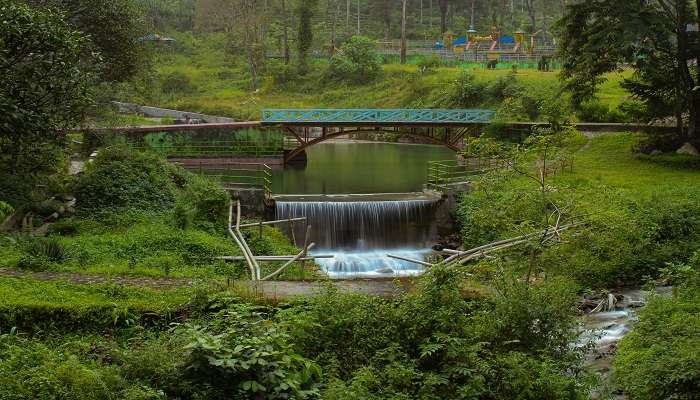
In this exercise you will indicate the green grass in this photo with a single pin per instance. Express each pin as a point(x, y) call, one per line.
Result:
point(401, 86)
point(610, 160)
point(36, 305)
point(216, 83)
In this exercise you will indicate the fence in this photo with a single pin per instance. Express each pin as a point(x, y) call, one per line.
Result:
point(232, 175)
point(442, 174)
point(215, 149)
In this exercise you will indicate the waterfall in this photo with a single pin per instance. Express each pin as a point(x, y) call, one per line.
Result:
point(361, 233)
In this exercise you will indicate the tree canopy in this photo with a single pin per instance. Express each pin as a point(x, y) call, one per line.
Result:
point(44, 86)
point(601, 36)
point(113, 28)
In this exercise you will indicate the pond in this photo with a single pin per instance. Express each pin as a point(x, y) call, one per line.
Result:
point(360, 167)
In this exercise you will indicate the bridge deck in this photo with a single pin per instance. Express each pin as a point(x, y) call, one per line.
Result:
point(377, 117)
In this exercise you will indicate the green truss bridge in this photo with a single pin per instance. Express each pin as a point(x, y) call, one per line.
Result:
point(308, 127)
point(303, 128)
point(377, 117)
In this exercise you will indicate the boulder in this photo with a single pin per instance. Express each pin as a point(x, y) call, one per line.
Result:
point(688, 149)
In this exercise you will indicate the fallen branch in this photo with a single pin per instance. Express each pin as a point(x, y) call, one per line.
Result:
point(423, 263)
point(288, 263)
point(459, 257)
point(281, 221)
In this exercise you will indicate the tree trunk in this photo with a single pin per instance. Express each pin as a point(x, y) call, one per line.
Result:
point(285, 34)
point(386, 18)
point(444, 5)
point(531, 13)
point(695, 92)
point(403, 31)
point(248, 11)
point(333, 27)
point(358, 17)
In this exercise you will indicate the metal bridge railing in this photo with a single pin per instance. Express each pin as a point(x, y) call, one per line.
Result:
point(442, 174)
point(214, 149)
point(423, 116)
point(237, 175)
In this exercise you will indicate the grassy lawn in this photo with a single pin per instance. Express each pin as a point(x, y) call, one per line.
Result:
point(201, 77)
point(610, 161)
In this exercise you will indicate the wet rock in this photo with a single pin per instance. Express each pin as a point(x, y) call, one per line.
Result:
point(385, 271)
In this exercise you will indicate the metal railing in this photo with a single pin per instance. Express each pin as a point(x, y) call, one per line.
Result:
point(423, 116)
point(237, 175)
point(214, 149)
point(442, 174)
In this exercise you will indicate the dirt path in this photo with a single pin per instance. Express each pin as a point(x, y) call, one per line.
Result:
point(273, 290)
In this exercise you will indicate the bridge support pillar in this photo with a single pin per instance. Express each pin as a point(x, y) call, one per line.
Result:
point(297, 159)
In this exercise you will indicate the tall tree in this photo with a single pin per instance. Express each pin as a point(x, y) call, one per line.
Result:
point(403, 31)
point(305, 11)
point(530, 5)
point(44, 86)
point(386, 18)
point(114, 27)
point(598, 36)
point(285, 33)
point(444, 8)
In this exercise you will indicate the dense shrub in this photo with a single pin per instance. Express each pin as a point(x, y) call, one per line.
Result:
point(243, 354)
point(660, 358)
point(17, 190)
point(628, 239)
point(466, 92)
point(356, 62)
point(5, 210)
point(504, 87)
point(428, 64)
point(434, 344)
point(119, 179)
point(42, 254)
point(595, 111)
point(177, 83)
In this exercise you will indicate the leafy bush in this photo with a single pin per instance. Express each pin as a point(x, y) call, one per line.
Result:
point(120, 179)
point(503, 87)
point(595, 111)
point(5, 210)
point(208, 200)
point(434, 344)
point(466, 92)
point(243, 354)
point(17, 190)
point(42, 254)
point(428, 64)
point(177, 83)
point(356, 61)
point(660, 358)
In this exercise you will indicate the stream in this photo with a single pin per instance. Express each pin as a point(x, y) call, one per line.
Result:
point(604, 331)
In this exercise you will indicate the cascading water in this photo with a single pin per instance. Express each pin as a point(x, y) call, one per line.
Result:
point(361, 233)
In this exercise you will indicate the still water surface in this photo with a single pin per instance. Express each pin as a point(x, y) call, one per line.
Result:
point(351, 167)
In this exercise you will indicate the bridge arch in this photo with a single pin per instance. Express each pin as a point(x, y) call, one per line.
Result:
point(449, 138)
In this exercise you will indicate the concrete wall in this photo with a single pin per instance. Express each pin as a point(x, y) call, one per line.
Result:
point(155, 112)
